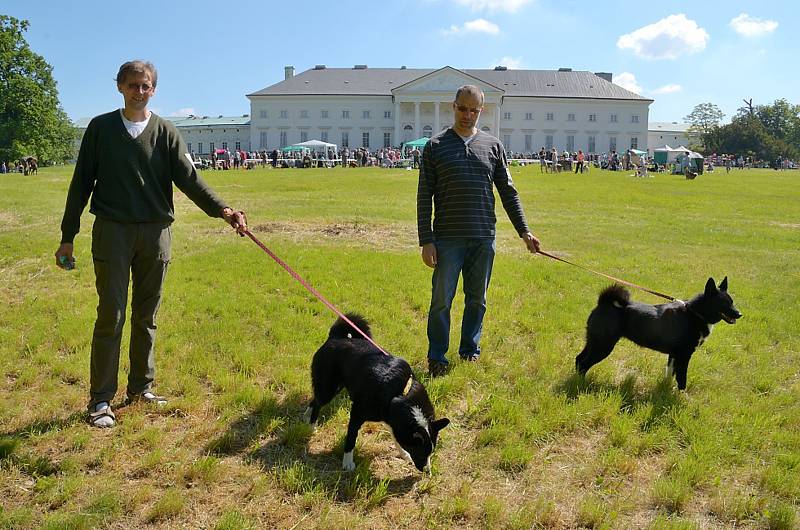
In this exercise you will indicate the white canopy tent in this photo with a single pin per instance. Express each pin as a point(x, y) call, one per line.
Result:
point(317, 145)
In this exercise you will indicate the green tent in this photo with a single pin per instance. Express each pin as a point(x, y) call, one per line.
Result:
point(419, 142)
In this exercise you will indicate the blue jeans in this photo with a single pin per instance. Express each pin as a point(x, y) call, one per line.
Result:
point(472, 258)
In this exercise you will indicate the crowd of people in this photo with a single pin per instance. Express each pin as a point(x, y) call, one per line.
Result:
point(26, 166)
point(385, 157)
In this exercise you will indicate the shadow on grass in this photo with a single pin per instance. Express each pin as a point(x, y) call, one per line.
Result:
point(663, 397)
point(31, 464)
point(286, 456)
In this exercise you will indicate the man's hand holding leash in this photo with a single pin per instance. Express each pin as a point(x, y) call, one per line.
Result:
point(236, 219)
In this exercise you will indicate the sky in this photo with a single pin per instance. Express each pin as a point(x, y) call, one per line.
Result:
point(211, 54)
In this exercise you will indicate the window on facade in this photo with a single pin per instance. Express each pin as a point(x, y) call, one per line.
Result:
point(570, 142)
point(303, 136)
point(612, 143)
point(570, 117)
point(262, 139)
point(304, 114)
point(591, 146)
point(364, 139)
point(345, 139)
point(427, 131)
point(387, 139)
point(528, 143)
point(238, 146)
point(346, 114)
point(387, 114)
point(324, 114)
point(507, 141)
point(211, 147)
point(263, 114)
point(200, 147)
point(323, 135)
point(284, 143)
point(284, 114)
point(635, 118)
point(613, 118)
point(634, 142)
point(548, 141)
point(189, 146)
point(592, 117)
point(365, 114)
point(225, 145)
point(506, 115)
point(529, 115)
point(549, 116)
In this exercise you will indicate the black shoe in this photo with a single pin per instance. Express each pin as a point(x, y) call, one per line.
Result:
point(437, 368)
point(472, 357)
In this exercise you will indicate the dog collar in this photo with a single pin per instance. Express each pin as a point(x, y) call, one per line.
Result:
point(407, 389)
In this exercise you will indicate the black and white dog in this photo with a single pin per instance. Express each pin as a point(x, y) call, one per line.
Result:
point(382, 388)
point(676, 328)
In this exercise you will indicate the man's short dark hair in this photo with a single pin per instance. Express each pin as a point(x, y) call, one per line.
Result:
point(137, 67)
point(471, 90)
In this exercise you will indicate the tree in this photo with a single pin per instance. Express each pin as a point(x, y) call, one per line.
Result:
point(32, 122)
point(704, 118)
point(746, 135)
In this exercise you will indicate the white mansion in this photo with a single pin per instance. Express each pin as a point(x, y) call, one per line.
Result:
point(382, 107)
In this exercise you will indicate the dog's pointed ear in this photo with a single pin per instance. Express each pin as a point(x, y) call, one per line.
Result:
point(440, 424)
point(723, 286)
point(711, 286)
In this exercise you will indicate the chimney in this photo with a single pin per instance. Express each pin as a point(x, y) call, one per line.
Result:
point(360, 67)
point(604, 75)
point(565, 69)
point(288, 72)
point(500, 68)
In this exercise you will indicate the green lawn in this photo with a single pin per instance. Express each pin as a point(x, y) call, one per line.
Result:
point(530, 444)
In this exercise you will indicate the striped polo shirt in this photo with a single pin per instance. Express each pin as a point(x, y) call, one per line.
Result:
point(455, 182)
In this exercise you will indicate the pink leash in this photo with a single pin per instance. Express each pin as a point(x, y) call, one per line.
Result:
point(629, 284)
point(311, 289)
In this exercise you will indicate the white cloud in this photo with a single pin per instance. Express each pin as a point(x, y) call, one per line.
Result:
point(510, 6)
point(627, 81)
point(668, 89)
point(512, 63)
point(478, 25)
point(669, 38)
point(187, 111)
point(749, 26)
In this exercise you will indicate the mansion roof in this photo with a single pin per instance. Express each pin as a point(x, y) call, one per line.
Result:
point(385, 81)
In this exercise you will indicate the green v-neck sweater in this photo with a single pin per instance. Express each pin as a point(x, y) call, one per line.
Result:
point(130, 179)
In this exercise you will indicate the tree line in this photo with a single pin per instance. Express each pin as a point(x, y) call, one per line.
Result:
point(32, 122)
point(765, 132)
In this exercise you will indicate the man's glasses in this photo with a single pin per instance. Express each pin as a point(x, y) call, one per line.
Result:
point(144, 87)
point(473, 110)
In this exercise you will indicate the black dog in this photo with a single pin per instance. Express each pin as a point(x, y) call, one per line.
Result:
point(676, 328)
point(382, 388)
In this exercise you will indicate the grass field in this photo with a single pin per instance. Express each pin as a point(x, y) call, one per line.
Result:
point(530, 444)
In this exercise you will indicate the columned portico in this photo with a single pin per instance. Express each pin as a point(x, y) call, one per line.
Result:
point(436, 125)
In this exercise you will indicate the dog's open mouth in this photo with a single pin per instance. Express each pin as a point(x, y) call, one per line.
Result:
point(727, 318)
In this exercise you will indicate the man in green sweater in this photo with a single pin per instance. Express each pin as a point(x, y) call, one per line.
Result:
point(128, 161)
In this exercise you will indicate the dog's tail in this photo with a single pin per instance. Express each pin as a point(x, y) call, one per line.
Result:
point(614, 295)
point(343, 330)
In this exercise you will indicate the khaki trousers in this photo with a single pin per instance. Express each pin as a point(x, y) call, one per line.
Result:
point(123, 253)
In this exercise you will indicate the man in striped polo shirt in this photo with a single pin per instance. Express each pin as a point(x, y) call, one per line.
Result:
point(459, 168)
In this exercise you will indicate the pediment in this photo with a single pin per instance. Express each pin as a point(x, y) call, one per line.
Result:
point(445, 81)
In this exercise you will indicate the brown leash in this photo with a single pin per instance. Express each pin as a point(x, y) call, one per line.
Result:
point(629, 284)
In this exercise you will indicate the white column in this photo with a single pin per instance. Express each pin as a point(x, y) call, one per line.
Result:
point(436, 125)
point(497, 120)
point(397, 139)
point(417, 134)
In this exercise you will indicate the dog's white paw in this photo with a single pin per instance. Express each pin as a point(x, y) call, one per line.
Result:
point(347, 462)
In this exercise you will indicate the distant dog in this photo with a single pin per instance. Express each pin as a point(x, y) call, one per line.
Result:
point(382, 388)
point(676, 328)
